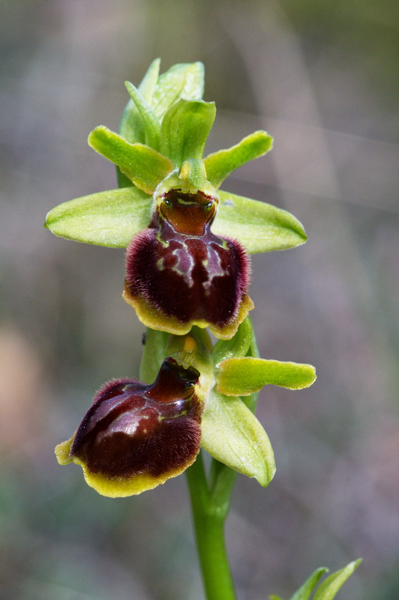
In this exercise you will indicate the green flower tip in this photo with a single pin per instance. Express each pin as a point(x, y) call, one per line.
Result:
point(162, 135)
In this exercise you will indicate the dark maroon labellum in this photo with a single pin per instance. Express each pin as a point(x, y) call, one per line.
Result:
point(179, 268)
point(132, 428)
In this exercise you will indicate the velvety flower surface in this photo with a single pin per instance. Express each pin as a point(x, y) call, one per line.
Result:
point(180, 274)
point(135, 436)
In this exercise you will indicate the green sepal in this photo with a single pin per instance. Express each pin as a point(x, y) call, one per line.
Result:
point(185, 129)
point(152, 126)
point(107, 211)
point(260, 227)
point(307, 588)
point(273, 597)
point(105, 219)
point(330, 586)
point(243, 376)
point(153, 355)
point(237, 346)
point(143, 165)
point(233, 435)
point(185, 80)
point(149, 81)
point(220, 164)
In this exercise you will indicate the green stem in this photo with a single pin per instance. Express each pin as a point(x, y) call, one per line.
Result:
point(209, 516)
point(210, 507)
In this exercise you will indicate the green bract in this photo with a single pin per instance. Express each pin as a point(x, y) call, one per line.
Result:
point(165, 124)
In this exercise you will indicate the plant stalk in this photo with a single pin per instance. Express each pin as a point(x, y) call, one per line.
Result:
point(209, 518)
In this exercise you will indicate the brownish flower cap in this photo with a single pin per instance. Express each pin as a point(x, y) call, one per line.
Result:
point(136, 436)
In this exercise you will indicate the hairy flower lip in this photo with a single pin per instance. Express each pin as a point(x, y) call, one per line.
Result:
point(176, 280)
point(136, 436)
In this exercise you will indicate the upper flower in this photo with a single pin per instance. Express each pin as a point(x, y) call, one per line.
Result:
point(180, 274)
point(187, 261)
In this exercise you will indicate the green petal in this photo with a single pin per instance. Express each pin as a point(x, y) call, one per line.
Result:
point(143, 165)
point(330, 586)
point(220, 164)
point(234, 436)
point(307, 588)
point(243, 376)
point(106, 219)
point(181, 81)
point(260, 227)
point(152, 126)
point(237, 346)
point(185, 129)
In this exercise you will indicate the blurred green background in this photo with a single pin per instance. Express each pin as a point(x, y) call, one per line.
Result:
point(323, 79)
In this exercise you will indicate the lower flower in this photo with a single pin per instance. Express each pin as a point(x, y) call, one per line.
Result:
point(136, 436)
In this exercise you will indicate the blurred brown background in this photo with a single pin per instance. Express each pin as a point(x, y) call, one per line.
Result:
point(323, 79)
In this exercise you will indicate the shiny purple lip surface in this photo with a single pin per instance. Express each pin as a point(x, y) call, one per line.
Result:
point(133, 428)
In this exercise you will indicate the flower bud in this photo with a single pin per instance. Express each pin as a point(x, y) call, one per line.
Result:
point(136, 436)
point(179, 274)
